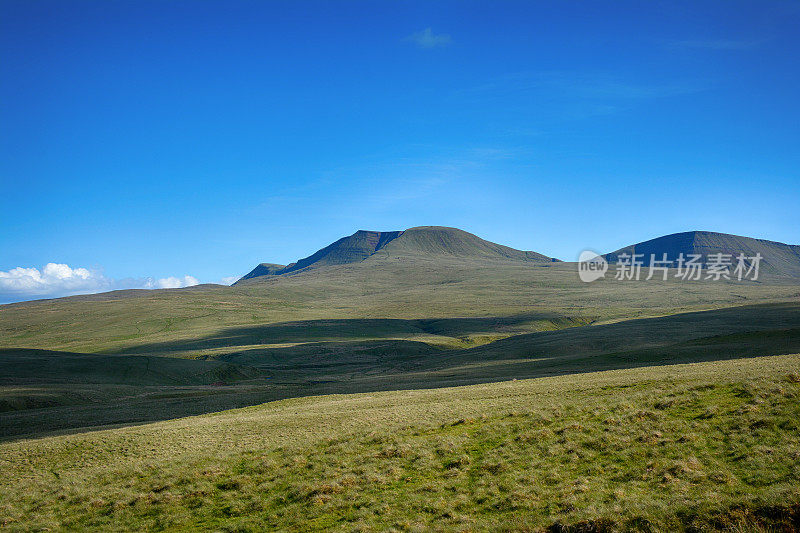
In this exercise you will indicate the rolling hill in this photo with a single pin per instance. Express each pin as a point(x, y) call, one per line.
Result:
point(777, 258)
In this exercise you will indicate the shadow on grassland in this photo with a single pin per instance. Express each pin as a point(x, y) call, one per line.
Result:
point(353, 330)
point(359, 365)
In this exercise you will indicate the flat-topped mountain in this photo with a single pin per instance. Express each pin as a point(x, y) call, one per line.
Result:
point(777, 258)
point(429, 241)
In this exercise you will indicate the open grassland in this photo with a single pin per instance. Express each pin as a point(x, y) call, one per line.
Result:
point(706, 445)
point(43, 392)
point(388, 322)
point(500, 298)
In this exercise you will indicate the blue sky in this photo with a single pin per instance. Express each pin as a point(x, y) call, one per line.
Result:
point(149, 141)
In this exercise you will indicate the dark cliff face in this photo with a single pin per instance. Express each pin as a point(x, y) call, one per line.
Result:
point(351, 249)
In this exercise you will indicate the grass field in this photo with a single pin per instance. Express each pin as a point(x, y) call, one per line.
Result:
point(515, 297)
point(44, 392)
point(704, 446)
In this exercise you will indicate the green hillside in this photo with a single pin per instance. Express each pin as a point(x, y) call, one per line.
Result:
point(437, 240)
point(701, 447)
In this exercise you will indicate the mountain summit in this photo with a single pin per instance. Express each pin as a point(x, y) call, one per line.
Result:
point(428, 241)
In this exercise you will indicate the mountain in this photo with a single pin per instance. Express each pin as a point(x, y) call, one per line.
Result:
point(352, 249)
point(428, 241)
point(777, 258)
point(264, 269)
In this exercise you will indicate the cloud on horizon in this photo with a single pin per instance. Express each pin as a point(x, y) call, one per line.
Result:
point(173, 283)
point(427, 39)
point(57, 279)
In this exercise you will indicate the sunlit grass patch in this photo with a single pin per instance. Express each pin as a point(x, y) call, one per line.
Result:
point(689, 447)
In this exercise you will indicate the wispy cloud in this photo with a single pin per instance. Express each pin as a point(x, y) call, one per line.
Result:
point(58, 279)
point(712, 44)
point(427, 39)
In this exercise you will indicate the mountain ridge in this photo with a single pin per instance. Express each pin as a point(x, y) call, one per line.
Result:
point(419, 240)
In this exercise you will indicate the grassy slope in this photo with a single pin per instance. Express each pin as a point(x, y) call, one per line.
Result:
point(383, 287)
point(76, 398)
point(44, 391)
point(660, 448)
point(24, 367)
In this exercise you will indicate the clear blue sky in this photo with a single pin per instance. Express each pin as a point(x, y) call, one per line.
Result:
point(169, 138)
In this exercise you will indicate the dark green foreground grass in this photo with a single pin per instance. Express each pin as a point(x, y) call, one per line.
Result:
point(683, 447)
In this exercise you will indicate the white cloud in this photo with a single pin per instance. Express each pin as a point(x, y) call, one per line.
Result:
point(58, 279)
point(53, 278)
point(174, 283)
point(427, 39)
point(230, 280)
